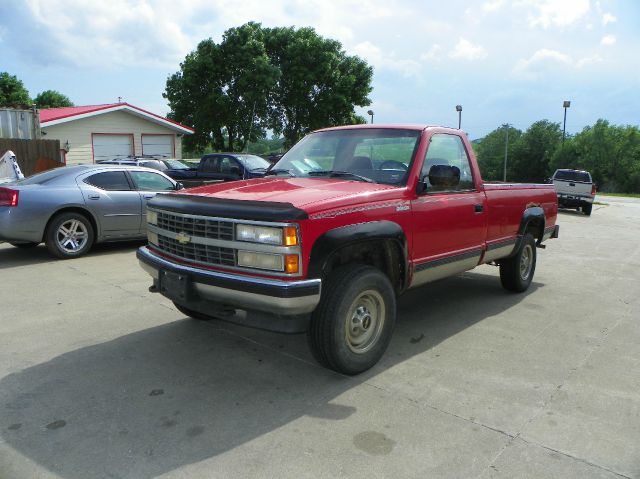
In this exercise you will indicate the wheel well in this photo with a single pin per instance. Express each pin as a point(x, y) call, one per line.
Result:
point(385, 255)
point(72, 209)
point(535, 226)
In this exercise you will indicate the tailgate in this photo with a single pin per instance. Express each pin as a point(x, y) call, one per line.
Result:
point(576, 188)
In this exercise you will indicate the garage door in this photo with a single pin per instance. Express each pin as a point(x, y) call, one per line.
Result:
point(161, 145)
point(111, 147)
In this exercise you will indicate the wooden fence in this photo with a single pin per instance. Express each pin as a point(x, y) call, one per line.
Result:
point(33, 155)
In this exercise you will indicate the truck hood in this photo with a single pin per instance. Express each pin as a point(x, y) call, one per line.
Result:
point(308, 194)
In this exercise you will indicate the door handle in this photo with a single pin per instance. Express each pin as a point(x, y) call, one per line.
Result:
point(478, 208)
point(94, 196)
point(148, 197)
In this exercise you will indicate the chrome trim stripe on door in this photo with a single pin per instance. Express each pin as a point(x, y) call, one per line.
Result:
point(443, 267)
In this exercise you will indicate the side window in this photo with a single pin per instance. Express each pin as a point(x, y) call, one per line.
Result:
point(211, 165)
point(147, 181)
point(447, 150)
point(109, 180)
point(229, 165)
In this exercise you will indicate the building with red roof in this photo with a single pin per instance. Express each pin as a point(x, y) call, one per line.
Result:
point(101, 132)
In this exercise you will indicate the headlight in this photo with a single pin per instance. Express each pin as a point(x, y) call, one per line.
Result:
point(259, 234)
point(152, 217)
point(152, 237)
point(251, 259)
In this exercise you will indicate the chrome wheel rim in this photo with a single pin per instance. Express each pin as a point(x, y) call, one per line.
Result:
point(365, 320)
point(526, 262)
point(72, 236)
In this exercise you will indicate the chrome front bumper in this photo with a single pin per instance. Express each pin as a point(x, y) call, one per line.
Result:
point(278, 297)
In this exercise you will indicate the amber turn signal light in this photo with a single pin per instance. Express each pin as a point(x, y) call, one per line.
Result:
point(290, 236)
point(291, 264)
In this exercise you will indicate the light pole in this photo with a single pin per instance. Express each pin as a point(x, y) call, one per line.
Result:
point(506, 152)
point(566, 104)
point(370, 112)
point(459, 110)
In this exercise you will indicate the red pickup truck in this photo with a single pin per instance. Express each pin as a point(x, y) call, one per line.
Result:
point(349, 219)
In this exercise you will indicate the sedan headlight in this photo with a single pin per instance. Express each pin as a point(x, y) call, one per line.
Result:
point(287, 236)
point(152, 217)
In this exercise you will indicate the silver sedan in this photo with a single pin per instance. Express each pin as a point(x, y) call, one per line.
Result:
point(73, 207)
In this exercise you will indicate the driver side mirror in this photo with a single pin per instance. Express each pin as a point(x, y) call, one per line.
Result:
point(179, 186)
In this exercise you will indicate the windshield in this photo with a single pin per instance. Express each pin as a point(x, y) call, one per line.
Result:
point(253, 162)
point(175, 165)
point(572, 175)
point(377, 154)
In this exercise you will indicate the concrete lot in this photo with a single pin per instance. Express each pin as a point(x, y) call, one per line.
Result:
point(99, 378)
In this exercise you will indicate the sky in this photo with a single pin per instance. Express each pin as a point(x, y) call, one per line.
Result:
point(504, 61)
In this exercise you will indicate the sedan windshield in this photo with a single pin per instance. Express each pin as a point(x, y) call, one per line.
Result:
point(382, 155)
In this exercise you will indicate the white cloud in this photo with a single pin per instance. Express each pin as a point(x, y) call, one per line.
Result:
point(466, 50)
point(492, 5)
point(529, 68)
point(608, 18)
point(592, 60)
point(379, 59)
point(557, 13)
point(433, 54)
point(608, 40)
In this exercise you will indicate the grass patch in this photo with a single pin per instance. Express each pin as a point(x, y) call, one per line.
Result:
point(623, 195)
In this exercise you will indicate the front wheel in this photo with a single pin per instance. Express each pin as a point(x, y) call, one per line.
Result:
point(69, 235)
point(352, 326)
point(516, 273)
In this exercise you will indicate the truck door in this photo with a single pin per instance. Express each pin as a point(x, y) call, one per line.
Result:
point(450, 222)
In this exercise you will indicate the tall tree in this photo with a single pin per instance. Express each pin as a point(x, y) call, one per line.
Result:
point(287, 80)
point(222, 90)
point(533, 151)
point(13, 92)
point(490, 152)
point(319, 84)
point(52, 99)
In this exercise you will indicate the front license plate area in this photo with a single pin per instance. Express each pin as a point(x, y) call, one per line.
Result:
point(174, 285)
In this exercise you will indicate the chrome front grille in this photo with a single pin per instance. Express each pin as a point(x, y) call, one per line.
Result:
point(198, 252)
point(201, 227)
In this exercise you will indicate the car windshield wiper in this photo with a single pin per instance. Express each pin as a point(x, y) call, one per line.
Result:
point(276, 171)
point(340, 174)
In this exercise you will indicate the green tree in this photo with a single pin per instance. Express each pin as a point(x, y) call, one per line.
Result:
point(287, 80)
point(51, 99)
point(222, 90)
point(319, 84)
point(13, 92)
point(491, 149)
point(533, 151)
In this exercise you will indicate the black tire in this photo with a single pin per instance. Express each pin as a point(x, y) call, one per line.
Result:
point(76, 243)
point(193, 314)
point(25, 245)
point(586, 209)
point(352, 326)
point(516, 273)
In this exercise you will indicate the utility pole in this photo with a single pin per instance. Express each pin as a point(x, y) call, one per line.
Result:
point(565, 104)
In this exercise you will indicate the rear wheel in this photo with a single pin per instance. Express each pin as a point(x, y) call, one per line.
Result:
point(69, 235)
point(25, 245)
point(352, 326)
point(586, 209)
point(516, 273)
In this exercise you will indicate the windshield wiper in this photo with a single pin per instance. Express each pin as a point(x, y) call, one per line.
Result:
point(340, 174)
point(276, 171)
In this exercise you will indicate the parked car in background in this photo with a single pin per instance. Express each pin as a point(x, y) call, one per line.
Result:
point(575, 189)
point(73, 207)
point(219, 167)
point(157, 163)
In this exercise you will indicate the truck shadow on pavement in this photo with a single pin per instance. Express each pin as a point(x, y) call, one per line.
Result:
point(152, 401)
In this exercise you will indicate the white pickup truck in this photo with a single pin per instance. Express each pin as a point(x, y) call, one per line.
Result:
point(575, 189)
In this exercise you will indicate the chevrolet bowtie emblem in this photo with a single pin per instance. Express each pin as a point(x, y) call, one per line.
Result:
point(183, 238)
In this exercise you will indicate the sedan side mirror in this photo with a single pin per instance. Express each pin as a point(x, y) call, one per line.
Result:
point(179, 186)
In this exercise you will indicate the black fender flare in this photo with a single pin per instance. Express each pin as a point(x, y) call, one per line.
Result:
point(333, 240)
point(532, 214)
